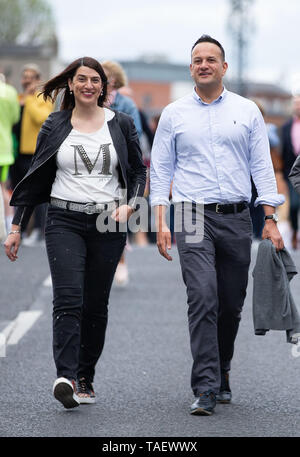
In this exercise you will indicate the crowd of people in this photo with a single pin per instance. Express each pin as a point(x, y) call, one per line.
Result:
point(210, 146)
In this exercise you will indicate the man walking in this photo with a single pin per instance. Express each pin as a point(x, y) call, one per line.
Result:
point(210, 143)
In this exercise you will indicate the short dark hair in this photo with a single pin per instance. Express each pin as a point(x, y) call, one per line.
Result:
point(209, 39)
point(60, 82)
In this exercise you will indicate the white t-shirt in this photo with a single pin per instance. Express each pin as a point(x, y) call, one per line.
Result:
point(87, 167)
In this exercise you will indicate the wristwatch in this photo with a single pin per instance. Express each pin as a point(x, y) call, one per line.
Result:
point(274, 217)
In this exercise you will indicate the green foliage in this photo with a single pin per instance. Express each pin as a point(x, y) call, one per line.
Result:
point(26, 21)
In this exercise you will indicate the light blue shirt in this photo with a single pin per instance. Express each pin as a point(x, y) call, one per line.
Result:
point(210, 152)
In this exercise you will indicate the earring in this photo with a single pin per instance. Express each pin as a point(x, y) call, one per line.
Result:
point(71, 92)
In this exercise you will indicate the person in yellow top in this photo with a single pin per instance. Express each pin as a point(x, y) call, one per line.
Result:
point(34, 112)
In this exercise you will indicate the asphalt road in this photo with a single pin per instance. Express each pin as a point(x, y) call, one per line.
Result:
point(143, 379)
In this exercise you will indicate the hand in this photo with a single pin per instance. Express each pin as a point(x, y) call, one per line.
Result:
point(122, 213)
point(31, 88)
point(164, 242)
point(272, 233)
point(11, 245)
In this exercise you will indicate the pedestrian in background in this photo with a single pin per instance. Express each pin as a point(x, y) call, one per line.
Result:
point(209, 143)
point(290, 149)
point(34, 111)
point(116, 78)
point(84, 156)
point(9, 115)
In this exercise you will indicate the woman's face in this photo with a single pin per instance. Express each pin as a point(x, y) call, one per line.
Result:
point(86, 86)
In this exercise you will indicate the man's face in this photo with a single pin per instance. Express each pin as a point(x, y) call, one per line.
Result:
point(296, 106)
point(28, 78)
point(207, 66)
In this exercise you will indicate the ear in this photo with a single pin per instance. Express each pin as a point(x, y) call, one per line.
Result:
point(225, 66)
point(70, 84)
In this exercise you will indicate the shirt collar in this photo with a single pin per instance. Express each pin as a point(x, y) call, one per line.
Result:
point(199, 100)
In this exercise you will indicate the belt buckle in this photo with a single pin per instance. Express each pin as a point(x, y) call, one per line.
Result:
point(88, 208)
point(217, 208)
point(100, 207)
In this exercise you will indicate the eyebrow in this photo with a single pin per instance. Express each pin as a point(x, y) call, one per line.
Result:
point(200, 58)
point(86, 76)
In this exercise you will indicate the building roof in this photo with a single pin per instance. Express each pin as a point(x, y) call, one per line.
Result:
point(260, 89)
point(14, 50)
point(139, 70)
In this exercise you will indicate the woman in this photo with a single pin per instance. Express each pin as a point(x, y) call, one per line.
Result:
point(86, 157)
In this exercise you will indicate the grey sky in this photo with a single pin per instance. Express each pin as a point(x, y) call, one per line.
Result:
point(128, 29)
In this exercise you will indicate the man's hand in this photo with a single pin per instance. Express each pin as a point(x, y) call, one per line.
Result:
point(272, 233)
point(163, 234)
point(164, 242)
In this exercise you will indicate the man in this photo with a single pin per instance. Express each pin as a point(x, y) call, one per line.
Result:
point(209, 143)
point(34, 112)
point(290, 150)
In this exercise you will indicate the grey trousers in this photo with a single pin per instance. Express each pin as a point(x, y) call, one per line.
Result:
point(215, 272)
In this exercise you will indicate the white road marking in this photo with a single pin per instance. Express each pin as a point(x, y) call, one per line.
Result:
point(23, 322)
point(12, 331)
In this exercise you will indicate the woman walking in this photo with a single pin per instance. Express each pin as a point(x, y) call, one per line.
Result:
point(86, 157)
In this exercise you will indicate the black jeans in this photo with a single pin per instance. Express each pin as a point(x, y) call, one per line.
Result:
point(82, 262)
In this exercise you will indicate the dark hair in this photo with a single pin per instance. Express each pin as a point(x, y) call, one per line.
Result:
point(60, 83)
point(209, 39)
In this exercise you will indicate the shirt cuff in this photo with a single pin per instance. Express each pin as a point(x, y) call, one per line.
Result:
point(156, 201)
point(270, 199)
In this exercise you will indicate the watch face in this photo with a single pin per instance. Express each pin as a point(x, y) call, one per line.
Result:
point(274, 217)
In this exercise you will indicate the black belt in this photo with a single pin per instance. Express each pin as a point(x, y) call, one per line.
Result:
point(226, 208)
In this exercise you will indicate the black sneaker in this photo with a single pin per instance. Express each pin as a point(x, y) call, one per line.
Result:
point(64, 391)
point(224, 395)
point(204, 404)
point(85, 391)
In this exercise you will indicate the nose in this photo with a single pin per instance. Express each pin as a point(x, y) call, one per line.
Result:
point(89, 84)
point(203, 65)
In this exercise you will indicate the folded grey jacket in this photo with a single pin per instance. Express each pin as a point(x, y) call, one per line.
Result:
point(273, 304)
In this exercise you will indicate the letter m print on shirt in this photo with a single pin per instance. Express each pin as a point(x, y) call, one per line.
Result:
point(89, 165)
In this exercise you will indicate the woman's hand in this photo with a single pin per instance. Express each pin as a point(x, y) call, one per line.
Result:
point(122, 213)
point(11, 245)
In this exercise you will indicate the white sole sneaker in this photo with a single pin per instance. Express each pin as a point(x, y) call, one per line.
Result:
point(86, 400)
point(63, 391)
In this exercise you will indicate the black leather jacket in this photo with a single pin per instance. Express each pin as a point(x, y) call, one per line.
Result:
point(35, 187)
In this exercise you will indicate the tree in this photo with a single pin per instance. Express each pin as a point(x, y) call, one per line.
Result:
point(26, 22)
point(241, 25)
